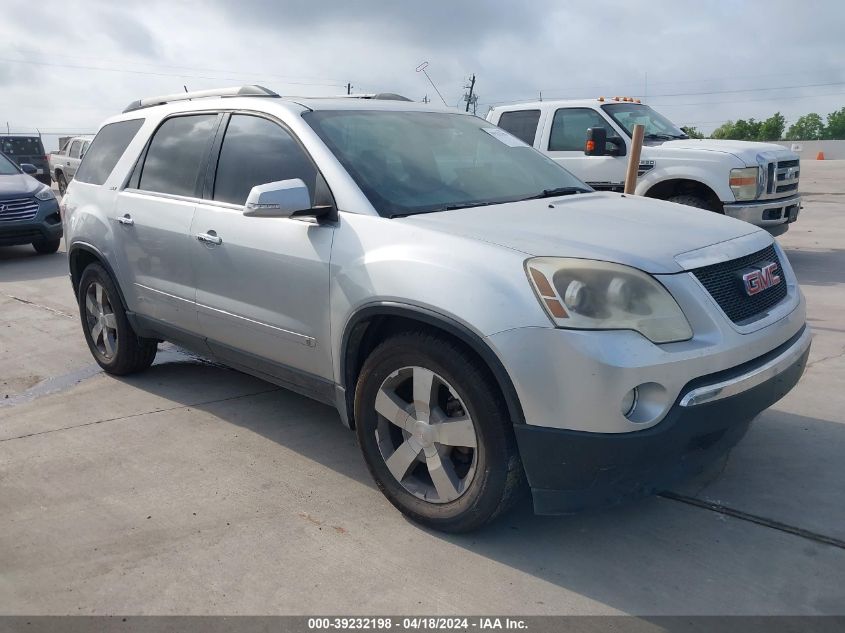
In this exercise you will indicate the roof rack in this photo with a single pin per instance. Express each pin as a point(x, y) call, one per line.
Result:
point(235, 91)
point(381, 96)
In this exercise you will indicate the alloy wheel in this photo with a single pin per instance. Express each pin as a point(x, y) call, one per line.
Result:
point(426, 435)
point(102, 323)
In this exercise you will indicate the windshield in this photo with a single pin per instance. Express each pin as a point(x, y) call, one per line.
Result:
point(656, 125)
point(420, 162)
point(7, 167)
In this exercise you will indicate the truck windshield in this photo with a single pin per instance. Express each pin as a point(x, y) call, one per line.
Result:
point(657, 126)
point(7, 167)
point(420, 162)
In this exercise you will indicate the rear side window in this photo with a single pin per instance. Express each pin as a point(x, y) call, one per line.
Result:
point(75, 148)
point(569, 128)
point(17, 147)
point(106, 149)
point(177, 153)
point(256, 151)
point(521, 123)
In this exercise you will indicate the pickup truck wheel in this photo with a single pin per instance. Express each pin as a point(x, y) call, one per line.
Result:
point(110, 337)
point(61, 182)
point(435, 433)
point(692, 201)
point(46, 247)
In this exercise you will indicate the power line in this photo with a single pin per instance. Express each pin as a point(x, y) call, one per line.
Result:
point(156, 74)
point(672, 105)
point(723, 92)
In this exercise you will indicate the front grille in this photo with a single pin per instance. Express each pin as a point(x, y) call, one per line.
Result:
point(724, 283)
point(781, 178)
point(18, 209)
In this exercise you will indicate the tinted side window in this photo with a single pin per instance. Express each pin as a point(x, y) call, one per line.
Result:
point(569, 128)
point(256, 151)
point(85, 147)
point(74, 149)
point(176, 154)
point(106, 149)
point(522, 124)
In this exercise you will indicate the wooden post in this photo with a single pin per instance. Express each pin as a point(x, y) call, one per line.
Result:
point(634, 158)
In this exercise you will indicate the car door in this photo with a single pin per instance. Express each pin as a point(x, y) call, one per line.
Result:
point(565, 145)
point(152, 220)
point(72, 159)
point(262, 283)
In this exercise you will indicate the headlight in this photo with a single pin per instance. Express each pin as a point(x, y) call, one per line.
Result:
point(584, 294)
point(45, 193)
point(744, 182)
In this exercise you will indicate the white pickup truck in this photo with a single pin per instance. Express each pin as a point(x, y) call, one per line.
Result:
point(64, 163)
point(755, 182)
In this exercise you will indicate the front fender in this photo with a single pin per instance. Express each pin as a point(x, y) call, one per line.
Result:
point(714, 178)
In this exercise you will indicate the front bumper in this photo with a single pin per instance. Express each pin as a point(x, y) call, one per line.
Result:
point(769, 214)
point(45, 226)
point(570, 471)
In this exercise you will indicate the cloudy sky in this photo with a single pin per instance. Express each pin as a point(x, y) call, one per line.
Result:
point(65, 66)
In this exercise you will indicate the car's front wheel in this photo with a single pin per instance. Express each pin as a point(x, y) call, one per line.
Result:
point(435, 432)
point(46, 247)
point(111, 339)
point(61, 182)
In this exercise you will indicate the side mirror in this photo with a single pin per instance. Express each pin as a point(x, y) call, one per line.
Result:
point(617, 146)
point(596, 143)
point(280, 199)
point(28, 168)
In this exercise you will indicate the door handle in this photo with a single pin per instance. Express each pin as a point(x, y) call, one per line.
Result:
point(210, 238)
point(126, 220)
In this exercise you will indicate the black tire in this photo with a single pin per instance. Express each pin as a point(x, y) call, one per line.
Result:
point(61, 182)
point(130, 353)
point(693, 201)
point(46, 247)
point(498, 476)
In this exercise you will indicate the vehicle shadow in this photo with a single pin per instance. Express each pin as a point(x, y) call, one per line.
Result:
point(822, 267)
point(22, 263)
point(654, 556)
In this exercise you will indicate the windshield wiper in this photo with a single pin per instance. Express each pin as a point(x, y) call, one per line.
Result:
point(558, 191)
point(661, 137)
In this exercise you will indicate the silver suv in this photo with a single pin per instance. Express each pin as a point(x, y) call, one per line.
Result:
point(478, 315)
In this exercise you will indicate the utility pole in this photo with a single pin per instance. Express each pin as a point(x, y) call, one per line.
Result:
point(425, 99)
point(468, 96)
point(349, 88)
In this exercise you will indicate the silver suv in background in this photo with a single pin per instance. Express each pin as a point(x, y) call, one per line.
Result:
point(477, 314)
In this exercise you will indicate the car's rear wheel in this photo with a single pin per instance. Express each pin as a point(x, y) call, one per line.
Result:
point(110, 337)
point(45, 247)
point(61, 182)
point(435, 433)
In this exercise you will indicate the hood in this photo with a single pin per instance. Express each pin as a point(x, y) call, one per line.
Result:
point(746, 151)
point(631, 230)
point(18, 185)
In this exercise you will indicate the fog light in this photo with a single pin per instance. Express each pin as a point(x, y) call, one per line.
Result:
point(629, 402)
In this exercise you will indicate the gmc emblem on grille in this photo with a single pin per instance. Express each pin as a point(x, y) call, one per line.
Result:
point(764, 275)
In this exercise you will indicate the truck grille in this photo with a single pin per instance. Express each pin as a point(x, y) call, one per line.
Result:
point(18, 209)
point(781, 178)
point(724, 283)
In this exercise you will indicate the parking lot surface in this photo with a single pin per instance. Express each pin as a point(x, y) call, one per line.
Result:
point(194, 489)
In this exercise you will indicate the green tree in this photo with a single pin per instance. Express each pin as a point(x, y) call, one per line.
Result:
point(772, 128)
point(810, 126)
point(690, 131)
point(726, 130)
point(835, 128)
point(746, 130)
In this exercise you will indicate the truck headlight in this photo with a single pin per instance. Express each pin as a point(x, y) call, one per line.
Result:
point(585, 294)
point(45, 193)
point(744, 182)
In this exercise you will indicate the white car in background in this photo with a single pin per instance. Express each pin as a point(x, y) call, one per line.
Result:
point(65, 162)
